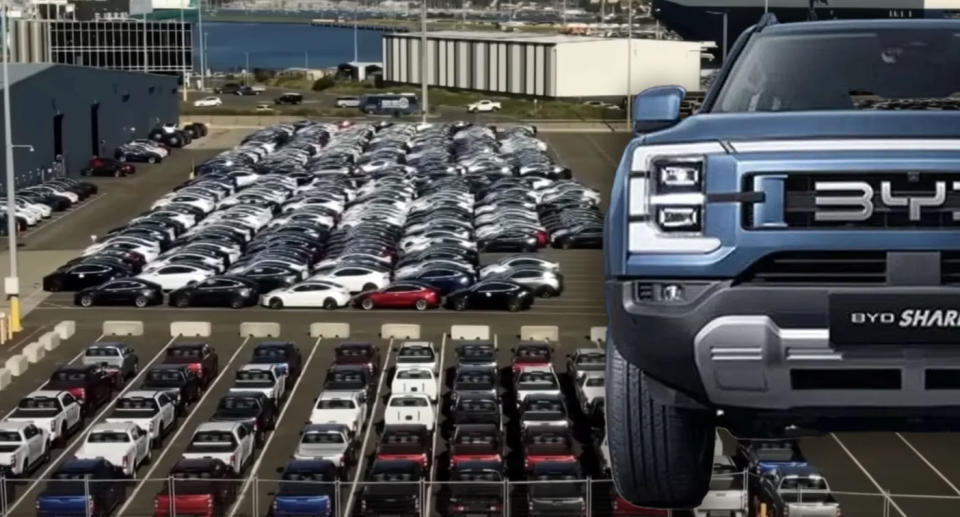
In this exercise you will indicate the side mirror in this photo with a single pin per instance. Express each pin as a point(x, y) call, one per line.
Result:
point(657, 108)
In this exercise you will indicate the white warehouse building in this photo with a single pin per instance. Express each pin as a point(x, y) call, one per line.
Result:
point(541, 65)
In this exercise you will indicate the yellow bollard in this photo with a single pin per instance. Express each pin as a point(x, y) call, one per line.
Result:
point(763, 510)
point(15, 315)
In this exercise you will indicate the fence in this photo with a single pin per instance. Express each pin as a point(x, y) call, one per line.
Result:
point(262, 496)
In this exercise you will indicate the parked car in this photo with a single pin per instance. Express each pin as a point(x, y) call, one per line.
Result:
point(218, 291)
point(123, 444)
point(99, 166)
point(491, 295)
point(178, 381)
point(584, 360)
point(82, 488)
point(229, 442)
point(23, 447)
point(329, 442)
point(542, 410)
point(141, 150)
point(415, 380)
point(417, 354)
point(199, 358)
point(473, 443)
point(57, 412)
point(83, 274)
point(400, 295)
point(253, 408)
point(208, 102)
point(392, 489)
point(358, 352)
point(531, 354)
point(410, 409)
point(348, 101)
point(475, 409)
point(91, 385)
point(118, 360)
point(477, 489)
point(201, 486)
point(483, 106)
point(539, 380)
point(306, 487)
point(408, 442)
point(797, 491)
point(284, 354)
point(553, 497)
point(152, 410)
point(727, 494)
point(268, 379)
point(335, 407)
point(289, 98)
point(308, 293)
point(547, 444)
point(122, 291)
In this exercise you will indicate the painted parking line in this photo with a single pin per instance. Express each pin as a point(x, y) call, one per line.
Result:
point(52, 221)
point(266, 445)
point(436, 424)
point(79, 437)
point(183, 425)
point(370, 425)
point(928, 463)
point(867, 473)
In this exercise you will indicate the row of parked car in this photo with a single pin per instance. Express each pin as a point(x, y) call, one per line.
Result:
point(146, 150)
point(38, 202)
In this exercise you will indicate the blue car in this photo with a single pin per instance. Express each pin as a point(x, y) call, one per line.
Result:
point(87, 488)
point(446, 280)
point(785, 260)
point(307, 489)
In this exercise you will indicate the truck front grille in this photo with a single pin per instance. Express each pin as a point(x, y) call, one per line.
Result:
point(833, 267)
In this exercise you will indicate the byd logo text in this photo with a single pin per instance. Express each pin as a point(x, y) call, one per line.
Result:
point(864, 201)
point(860, 318)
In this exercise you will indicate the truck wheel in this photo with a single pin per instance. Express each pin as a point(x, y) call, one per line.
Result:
point(662, 453)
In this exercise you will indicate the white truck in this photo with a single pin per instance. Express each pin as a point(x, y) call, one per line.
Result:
point(58, 413)
point(797, 491)
point(124, 444)
point(727, 494)
point(590, 388)
point(410, 409)
point(229, 442)
point(536, 380)
point(269, 379)
point(415, 380)
point(152, 411)
point(417, 355)
point(336, 407)
point(483, 106)
point(23, 447)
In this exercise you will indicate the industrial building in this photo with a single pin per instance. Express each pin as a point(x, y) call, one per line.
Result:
point(77, 112)
point(558, 66)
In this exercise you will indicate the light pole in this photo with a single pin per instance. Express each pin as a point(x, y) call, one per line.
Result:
point(203, 67)
point(629, 64)
point(183, 47)
point(246, 68)
point(11, 283)
point(724, 46)
point(356, 52)
point(424, 77)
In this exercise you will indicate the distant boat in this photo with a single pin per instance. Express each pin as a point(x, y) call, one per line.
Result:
point(700, 20)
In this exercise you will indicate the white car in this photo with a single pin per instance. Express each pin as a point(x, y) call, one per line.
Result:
point(57, 412)
point(269, 379)
point(229, 442)
point(23, 446)
point(204, 204)
point(536, 380)
point(124, 444)
point(307, 294)
point(483, 106)
point(154, 411)
point(356, 278)
point(518, 261)
point(149, 251)
point(207, 102)
point(590, 388)
point(410, 409)
point(174, 276)
point(340, 408)
point(415, 380)
point(417, 355)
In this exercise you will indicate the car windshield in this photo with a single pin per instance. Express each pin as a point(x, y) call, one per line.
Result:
point(137, 404)
point(594, 382)
point(184, 353)
point(803, 483)
point(874, 68)
point(335, 404)
point(322, 437)
point(234, 403)
point(164, 377)
point(413, 374)
point(213, 438)
point(31, 403)
point(9, 436)
point(70, 376)
point(99, 351)
point(108, 437)
point(415, 355)
point(260, 378)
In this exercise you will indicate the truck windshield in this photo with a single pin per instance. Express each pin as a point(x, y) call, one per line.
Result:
point(109, 437)
point(9, 436)
point(322, 438)
point(872, 68)
point(137, 404)
point(31, 403)
point(100, 351)
point(258, 378)
point(803, 483)
point(335, 404)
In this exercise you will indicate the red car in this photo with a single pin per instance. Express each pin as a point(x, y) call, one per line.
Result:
point(623, 508)
point(107, 167)
point(405, 442)
point(528, 355)
point(357, 353)
point(546, 444)
point(401, 295)
point(200, 358)
point(90, 384)
point(476, 442)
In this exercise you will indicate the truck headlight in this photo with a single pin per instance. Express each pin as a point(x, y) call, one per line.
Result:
point(666, 199)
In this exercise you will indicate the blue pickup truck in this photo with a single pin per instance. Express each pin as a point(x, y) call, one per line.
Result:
point(83, 488)
point(306, 490)
point(787, 259)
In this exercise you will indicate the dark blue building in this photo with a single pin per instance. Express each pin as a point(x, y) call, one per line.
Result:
point(77, 112)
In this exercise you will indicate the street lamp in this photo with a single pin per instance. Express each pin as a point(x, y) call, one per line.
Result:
point(725, 25)
point(424, 77)
point(203, 68)
point(629, 64)
point(11, 283)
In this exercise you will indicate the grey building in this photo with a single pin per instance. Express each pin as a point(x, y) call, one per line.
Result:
point(76, 112)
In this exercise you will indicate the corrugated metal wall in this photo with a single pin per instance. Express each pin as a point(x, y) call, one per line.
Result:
point(129, 103)
point(519, 67)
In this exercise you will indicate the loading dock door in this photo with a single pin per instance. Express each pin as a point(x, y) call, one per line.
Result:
point(95, 129)
point(58, 134)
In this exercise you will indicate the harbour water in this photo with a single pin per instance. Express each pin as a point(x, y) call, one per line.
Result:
point(283, 45)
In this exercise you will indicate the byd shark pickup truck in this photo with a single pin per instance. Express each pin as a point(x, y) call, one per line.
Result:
point(786, 260)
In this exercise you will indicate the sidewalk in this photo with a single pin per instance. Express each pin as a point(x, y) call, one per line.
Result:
point(33, 265)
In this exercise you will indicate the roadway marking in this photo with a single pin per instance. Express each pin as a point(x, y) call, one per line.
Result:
point(183, 425)
point(44, 383)
point(24, 340)
point(266, 444)
point(603, 154)
point(436, 424)
point(50, 222)
point(79, 437)
point(866, 473)
point(370, 424)
point(928, 463)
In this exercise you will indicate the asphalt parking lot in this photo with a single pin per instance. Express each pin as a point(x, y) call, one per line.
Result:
point(919, 471)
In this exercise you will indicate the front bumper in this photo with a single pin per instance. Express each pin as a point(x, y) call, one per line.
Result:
point(768, 349)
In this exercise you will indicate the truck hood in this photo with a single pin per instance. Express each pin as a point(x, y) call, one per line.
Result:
point(810, 124)
point(112, 452)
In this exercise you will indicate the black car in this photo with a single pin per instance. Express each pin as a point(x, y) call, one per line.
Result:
point(513, 241)
point(229, 88)
point(88, 273)
point(281, 353)
point(443, 279)
point(107, 167)
point(558, 493)
point(392, 489)
point(491, 295)
point(178, 380)
point(218, 291)
point(289, 98)
point(248, 406)
point(476, 489)
point(122, 291)
point(475, 409)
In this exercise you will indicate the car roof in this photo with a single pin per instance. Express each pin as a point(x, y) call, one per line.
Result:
point(113, 426)
point(590, 351)
point(218, 426)
point(257, 367)
point(196, 464)
point(846, 25)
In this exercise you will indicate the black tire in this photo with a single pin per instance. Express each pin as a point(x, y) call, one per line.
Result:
point(236, 303)
point(460, 304)
point(369, 287)
point(151, 159)
point(662, 453)
point(141, 301)
point(174, 141)
point(122, 158)
point(330, 304)
point(118, 173)
point(367, 304)
point(513, 306)
point(181, 302)
point(86, 301)
point(421, 305)
point(276, 303)
point(548, 292)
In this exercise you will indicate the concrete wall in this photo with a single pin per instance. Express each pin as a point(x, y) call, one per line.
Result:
point(130, 104)
point(599, 68)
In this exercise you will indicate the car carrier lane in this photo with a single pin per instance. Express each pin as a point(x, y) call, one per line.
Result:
point(233, 352)
point(149, 352)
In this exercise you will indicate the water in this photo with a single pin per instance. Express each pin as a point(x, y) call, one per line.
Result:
point(284, 45)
